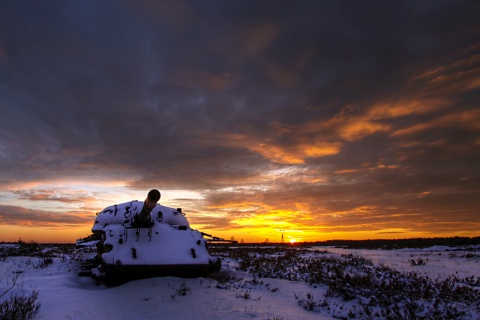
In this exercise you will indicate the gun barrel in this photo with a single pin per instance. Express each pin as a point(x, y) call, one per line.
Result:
point(150, 202)
point(152, 198)
point(217, 239)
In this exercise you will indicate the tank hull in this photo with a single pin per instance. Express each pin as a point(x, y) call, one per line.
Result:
point(115, 275)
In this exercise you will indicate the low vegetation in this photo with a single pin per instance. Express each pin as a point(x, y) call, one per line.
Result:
point(357, 288)
point(353, 287)
point(20, 307)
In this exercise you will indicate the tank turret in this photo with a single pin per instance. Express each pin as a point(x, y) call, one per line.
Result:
point(145, 239)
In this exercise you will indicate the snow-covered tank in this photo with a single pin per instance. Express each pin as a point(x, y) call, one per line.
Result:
point(140, 239)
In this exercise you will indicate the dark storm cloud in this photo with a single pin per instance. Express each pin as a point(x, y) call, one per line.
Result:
point(377, 102)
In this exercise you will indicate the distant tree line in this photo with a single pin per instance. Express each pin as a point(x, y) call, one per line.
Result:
point(401, 243)
point(379, 243)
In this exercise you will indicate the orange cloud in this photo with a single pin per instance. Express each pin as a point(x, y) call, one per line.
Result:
point(347, 127)
point(469, 119)
point(296, 154)
point(390, 110)
point(356, 129)
point(353, 128)
point(344, 126)
point(429, 97)
point(296, 151)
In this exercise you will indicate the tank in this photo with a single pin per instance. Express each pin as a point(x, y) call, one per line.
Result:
point(141, 239)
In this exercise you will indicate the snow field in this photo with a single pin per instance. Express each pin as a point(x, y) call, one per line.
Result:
point(238, 291)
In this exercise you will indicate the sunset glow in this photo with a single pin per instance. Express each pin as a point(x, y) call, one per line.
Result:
point(311, 120)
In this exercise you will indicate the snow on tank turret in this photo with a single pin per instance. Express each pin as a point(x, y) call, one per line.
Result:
point(145, 239)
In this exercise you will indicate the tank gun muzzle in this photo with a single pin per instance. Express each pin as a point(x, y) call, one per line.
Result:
point(144, 219)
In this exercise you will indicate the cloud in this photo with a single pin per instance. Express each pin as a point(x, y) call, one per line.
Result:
point(296, 154)
point(288, 76)
point(14, 215)
point(324, 116)
point(459, 76)
point(257, 39)
point(203, 80)
point(468, 120)
point(419, 106)
point(55, 195)
point(3, 55)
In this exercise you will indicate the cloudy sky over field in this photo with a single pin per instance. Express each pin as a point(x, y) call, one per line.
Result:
point(313, 119)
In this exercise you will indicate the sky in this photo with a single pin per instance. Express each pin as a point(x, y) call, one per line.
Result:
point(314, 120)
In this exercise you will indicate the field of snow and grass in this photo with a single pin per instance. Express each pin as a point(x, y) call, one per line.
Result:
point(270, 282)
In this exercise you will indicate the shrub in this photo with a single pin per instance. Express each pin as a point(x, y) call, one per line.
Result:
point(184, 289)
point(309, 303)
point(20, 307)
point(418, 262)
point(45, 261)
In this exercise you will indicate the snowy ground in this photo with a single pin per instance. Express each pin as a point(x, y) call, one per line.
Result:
point(439, 261)
point(231, 294)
